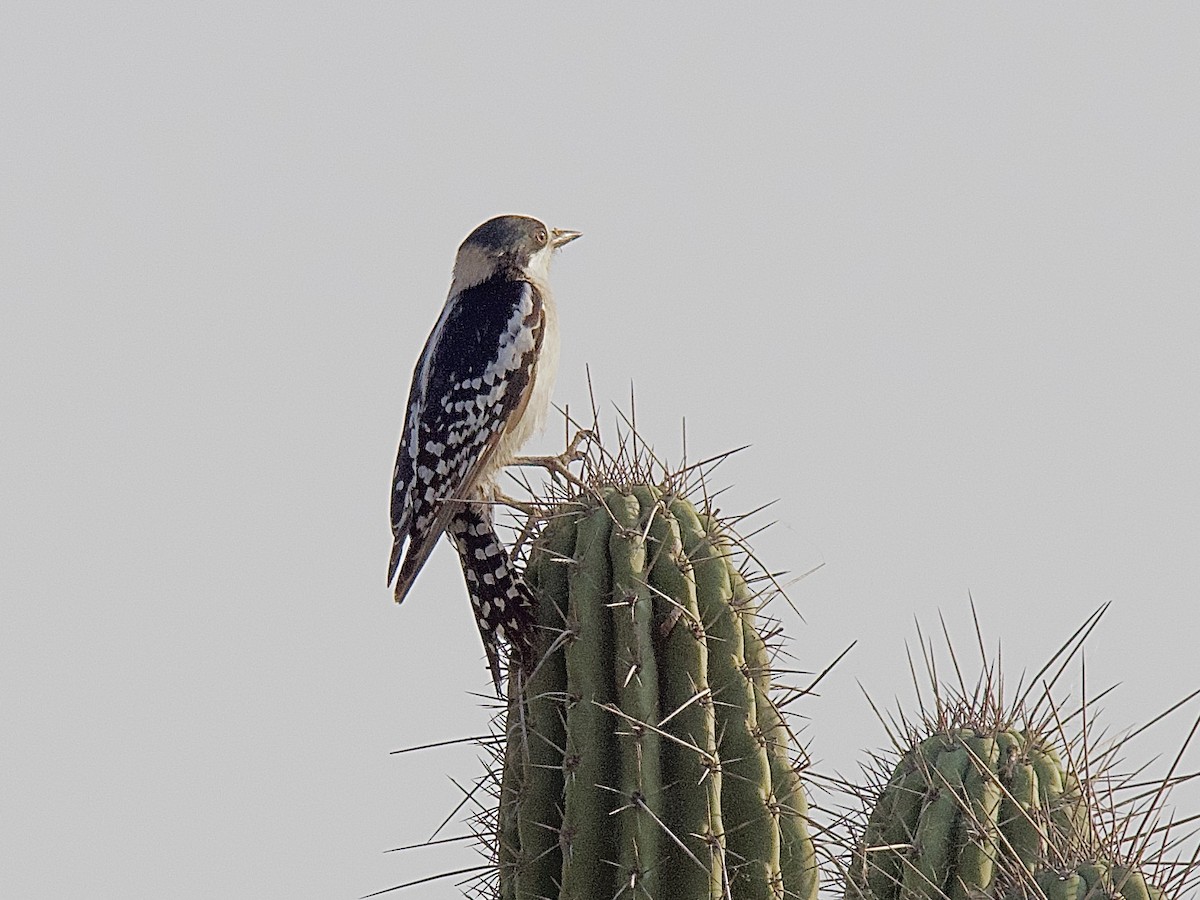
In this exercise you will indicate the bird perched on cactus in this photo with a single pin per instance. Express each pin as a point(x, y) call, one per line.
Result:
point(480, 389)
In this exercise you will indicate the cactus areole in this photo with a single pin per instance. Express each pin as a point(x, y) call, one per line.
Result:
point(645, 757)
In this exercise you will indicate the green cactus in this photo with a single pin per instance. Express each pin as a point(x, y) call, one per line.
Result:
point(644, 756)
point(1089, 880)
point(962, 807)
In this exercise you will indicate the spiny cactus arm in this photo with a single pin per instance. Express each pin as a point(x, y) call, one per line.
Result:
point(977, 836)
point(692, 799)
point(1022, 836)
point(1062, 797)
point(1049, 771)
point(591, 778)
point(1095, 879)
point(639, 813)
point(875, 866)
point(748, 802)
point(508, 837)
point(890, 867)
point(542, 721)
point(797, 856)
point(1094, 875)
point(938, 827)
point(1019, 835)
point(751, 832)
point(914, 794)
point(617, 776)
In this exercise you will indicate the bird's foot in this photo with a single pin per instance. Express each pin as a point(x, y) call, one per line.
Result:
point(531, 510)
point(559, 464)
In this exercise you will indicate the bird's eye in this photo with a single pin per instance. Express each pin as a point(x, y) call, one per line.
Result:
point(540, 235)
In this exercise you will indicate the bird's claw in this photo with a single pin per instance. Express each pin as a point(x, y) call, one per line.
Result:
point(559, 464)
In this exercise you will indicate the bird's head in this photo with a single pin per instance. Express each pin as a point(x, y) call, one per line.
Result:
point(520, 246)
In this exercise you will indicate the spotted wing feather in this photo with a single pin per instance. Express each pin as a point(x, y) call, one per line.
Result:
point(474, 376)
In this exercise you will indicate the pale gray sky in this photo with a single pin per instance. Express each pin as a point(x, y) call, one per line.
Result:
point(938, 264)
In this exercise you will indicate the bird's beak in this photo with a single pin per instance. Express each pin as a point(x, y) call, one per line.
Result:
point(560, 237)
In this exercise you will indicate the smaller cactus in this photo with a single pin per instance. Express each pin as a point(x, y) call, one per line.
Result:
point(980, 804)
point(961, 805)
point(1085, 881)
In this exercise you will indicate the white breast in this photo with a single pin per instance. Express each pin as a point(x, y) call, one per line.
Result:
point(541, 391)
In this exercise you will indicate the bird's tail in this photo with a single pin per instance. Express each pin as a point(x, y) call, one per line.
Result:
point(500, 599)
point(402, 573)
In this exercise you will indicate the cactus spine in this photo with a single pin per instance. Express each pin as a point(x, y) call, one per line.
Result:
point(644, 756)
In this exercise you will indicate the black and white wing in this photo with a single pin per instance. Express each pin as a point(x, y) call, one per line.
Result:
point(473, 381)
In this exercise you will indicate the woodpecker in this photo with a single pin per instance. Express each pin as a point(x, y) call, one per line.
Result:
point(480, 389)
